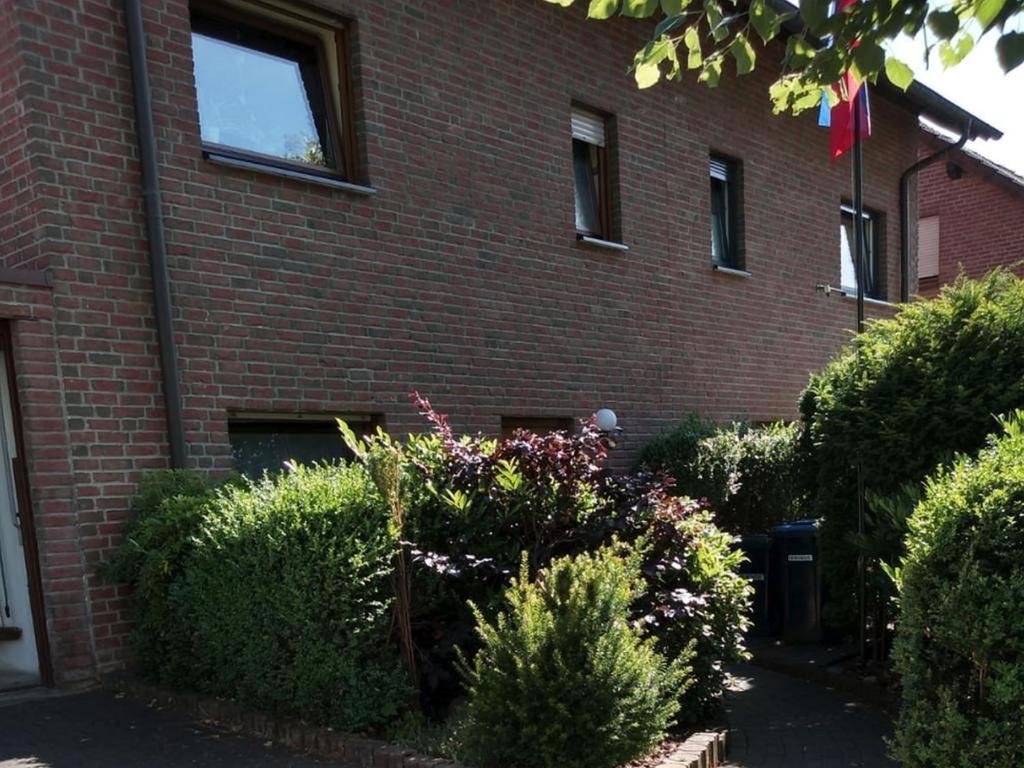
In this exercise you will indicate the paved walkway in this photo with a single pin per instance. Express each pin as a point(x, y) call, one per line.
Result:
point(98, 729)
point(777, 721)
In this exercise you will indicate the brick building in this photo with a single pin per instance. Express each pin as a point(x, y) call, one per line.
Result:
point(971, 212)
point(356, 199)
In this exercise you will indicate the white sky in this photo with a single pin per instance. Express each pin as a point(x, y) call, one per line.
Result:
point(978, 85)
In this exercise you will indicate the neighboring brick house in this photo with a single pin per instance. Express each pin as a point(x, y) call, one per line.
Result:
point(971, 219)
point(370, 198)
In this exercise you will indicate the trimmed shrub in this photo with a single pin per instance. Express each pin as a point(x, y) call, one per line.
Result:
point(694, 597)
point(675, 450)
point(288, 599)
point(562, 678)
point(168, 508)
point(476, 505)
point(749, 475)
point(960, 639)
point(902, 399)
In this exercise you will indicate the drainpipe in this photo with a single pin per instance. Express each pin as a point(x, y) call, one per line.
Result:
point(905, 207)
point(155, 229)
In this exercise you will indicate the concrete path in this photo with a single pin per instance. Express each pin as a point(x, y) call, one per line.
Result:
point(777, 721)
point(97, 729)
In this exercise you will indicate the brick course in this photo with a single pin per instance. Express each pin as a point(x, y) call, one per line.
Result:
point(461, 278)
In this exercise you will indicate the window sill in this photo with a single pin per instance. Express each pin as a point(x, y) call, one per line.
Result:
point(599, 243)
point(230, 161)
point(730, 270)
point(851, 295)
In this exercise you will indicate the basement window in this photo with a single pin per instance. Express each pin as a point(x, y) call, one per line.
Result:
point(262, 443)
point(272, 88)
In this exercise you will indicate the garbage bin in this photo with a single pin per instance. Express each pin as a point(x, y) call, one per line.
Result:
point(757, 570)
point(798, 580)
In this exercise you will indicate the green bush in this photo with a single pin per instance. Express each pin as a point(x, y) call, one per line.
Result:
point(960, 639)
point(562, 678)
point(674, 450)
point(748, 474)
point(694, 598)
point(902, 399)
point(287, 597)
point(167, 509)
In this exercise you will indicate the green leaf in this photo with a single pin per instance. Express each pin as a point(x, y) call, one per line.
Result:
point(694, 57)
point(672, 7)
point(647, 69)
point(868, 60)
point(713, 11)
point(814, 13)
point(743, 52)
point(1010, 50)
point(639, 9)
point(765, 21)
point(602, 9)
point(952, 53)
point(986, 11)
point(711, 74)
point(798, 52)
point(669, 23)
point(944, 24)
point(563, 3)
point(899, 74)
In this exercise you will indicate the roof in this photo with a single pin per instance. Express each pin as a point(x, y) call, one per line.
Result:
point(989, 168)
point(922, 100)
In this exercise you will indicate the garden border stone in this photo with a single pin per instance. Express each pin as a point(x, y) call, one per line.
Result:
point(701, 750)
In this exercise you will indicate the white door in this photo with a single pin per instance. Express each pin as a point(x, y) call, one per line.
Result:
point(19, 662)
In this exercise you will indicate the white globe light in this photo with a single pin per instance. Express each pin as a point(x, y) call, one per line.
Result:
point(606, 420)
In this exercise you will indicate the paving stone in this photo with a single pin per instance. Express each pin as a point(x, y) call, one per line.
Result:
point(777, 721)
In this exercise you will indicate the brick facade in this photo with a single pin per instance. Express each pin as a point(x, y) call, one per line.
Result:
point(980, 218)
point(460, 278)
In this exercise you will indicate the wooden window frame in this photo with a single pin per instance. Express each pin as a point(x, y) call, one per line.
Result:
point(339, 103)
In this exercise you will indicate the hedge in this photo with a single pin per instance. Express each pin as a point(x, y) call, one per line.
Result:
point(960, 638)
point(907, 394)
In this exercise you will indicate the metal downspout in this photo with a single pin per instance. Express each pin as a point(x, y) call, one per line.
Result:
point(905, 207)
point(155, 229)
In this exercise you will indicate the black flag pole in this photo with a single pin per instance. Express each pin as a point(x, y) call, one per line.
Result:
point(860, 271)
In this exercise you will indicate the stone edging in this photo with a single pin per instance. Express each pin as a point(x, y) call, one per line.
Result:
point(701, 750)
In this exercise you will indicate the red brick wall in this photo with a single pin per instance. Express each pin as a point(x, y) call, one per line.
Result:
point(981, 221)
point(461, 278)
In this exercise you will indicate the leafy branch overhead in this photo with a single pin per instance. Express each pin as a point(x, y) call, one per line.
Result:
point(821, 42)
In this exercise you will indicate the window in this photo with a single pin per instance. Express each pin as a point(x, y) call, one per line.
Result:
point(263, 442)
point(590, 175)
point(271, 88)
point(872, 269)
point(539, 425)
point(725, 249)
point(928, 247)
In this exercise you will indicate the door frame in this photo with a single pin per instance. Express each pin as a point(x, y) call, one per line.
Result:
point(30, 545)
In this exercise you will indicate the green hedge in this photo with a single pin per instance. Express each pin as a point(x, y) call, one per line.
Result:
point(903, 398)
point(960, 639)
point(563, 678)
point(276, 593)
point(749, 474)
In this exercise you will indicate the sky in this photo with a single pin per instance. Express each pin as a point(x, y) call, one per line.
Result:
point(978, 85)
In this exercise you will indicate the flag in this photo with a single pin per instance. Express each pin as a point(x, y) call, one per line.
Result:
point(840, 118)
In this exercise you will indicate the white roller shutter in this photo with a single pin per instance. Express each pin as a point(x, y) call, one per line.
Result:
point(928, 247)
point(588, 127)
